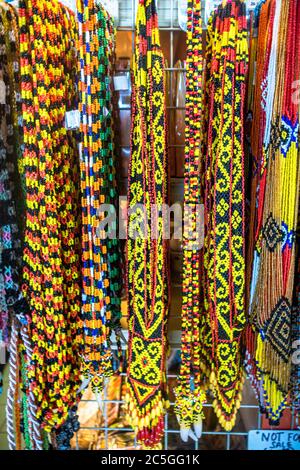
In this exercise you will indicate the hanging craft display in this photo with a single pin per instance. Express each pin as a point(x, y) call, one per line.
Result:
point(147, 262)
point(223, 317)
point(275, 195)
point(51, 258)
point(189, 395)
point(61, 269)
point(100, 250)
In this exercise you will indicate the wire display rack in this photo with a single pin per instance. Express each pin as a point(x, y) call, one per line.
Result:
point(249, 416)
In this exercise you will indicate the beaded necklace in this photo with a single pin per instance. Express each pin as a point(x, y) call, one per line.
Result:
point(189, 401)
point(224, 250)
point(295, 372)
point(101, 257)
point(274, 276)
point(51, 273)
point(258, 179)
point(12, 302)
point(147, 264)
point(11, 253)
point(12, 47)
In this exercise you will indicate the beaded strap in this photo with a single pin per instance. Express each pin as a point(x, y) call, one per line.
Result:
point(224, 247)
point(295, 372)
point(101, 255)
point(11, 300)
point(51, 258)
point(189, 400)
point(265, 31)
point(147, 276)
point(270, 336)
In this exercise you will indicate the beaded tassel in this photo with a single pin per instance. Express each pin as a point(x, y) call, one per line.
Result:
point(189, 400)
point(147, 265)
point(51, 273)
point(101, 251)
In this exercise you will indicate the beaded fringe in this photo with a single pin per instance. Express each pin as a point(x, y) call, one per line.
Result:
point(148, 421)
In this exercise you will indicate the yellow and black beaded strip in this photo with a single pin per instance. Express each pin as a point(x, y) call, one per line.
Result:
point(147, 264)
point(51, 273)
point(224, 247)
point(189, 396)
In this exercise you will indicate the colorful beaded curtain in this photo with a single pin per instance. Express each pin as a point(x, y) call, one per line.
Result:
point(275, 147)
point(51, 257)
point(223, 316)
point(147, 263)
point(189, 397)
point(100, 250)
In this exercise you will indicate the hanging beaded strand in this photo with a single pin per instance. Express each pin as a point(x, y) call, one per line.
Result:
point(273, 271)
point(189, 397)
point(295, 372)
point(147, 266)
point(101, 251)
point(51, 258)
point(224, 245)
point(258, 180)
point(16, 407)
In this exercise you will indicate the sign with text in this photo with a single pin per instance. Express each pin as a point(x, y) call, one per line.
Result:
point(274, 440)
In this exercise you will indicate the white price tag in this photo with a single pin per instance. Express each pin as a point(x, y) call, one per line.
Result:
point(121, 82)
point(105, 112)
point(2, 352)
point(182, 15)
point(72, 120)
point(2, 92)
